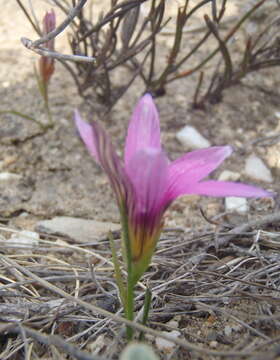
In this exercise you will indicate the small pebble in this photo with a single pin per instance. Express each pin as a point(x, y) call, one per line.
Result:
point(213, 344)
point(7, 176)
point(25, 239)
point(236, 204)
point(256, 169)
point(189, 137)
point(10, 160)
point(138, 351)
point(228, 175)
point(5, 84)
point(277, 114)
point(228, 330)
point(80, 230)
point(173, 324)
point(165, 345)
point(237, 327)
point(24, 214)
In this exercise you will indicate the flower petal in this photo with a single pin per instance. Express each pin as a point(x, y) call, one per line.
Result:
point(49, 23)
point(147, 171)
point(100, 146)
point(87, 134)
point(193, 167)
point(222, 189)
point(112, 165)
point(144, 128)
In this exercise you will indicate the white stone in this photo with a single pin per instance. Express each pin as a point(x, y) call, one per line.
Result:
point(228, 175)
point(24, 239)
point(256, 169)
point(165, 345)
point(191, 138)
point(5, 84)
point(138, 351)
point(213, 344)
point(79, 230)
point(277, 114)
point(7, 176)
point(228, 330)
point(236, 204)
point(173, 324)
point(237, 327)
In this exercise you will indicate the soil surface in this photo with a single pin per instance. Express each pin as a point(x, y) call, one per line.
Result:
point(55, 176)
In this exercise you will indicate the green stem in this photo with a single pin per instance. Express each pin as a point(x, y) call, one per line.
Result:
point(43, 88)
point(47, 107)
point(129, 306)
point(126, 250)
point(24, 116)
point(117, 269)
point(50, 118)
point(129, 303)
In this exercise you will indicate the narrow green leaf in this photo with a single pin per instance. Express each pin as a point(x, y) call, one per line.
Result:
point(24, 116)
point(117, 268)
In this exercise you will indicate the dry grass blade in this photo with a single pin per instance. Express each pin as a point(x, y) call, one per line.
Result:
point(237, 285)
point(52, 340)
point(114, 317)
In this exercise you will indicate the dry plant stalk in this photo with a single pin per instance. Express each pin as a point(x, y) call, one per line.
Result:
point(126, 37)
point(261, 50)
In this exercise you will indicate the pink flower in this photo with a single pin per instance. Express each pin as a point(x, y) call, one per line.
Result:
point(146, 182)
point(46, 64)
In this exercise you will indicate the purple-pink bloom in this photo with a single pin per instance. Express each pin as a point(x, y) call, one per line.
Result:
point(146, 182)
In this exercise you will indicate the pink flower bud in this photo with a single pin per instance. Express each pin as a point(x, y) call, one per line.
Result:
point(46, 64)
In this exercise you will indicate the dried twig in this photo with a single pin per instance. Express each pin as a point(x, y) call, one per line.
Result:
point(55, 340)
point(121, 38)
point(255, 223)
point(185, 344)
point(35, 45)
point(187, 279)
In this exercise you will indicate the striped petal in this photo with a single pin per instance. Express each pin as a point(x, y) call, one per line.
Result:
point(100, 147)
point(144, 128)
point(87, 134)
point(147, 171)
point(112, 165)
point(193, 167)
point(222, 189)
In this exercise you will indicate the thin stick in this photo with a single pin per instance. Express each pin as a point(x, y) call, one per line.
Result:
point(35, 45)
point(53, 54)
point(23, 335)
point(147, 304)
point(35, 27)
point(255, 223)
point(56, 341)
point(51, 35)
